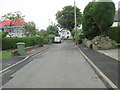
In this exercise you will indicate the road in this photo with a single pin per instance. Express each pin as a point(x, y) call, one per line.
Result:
point(61, 66)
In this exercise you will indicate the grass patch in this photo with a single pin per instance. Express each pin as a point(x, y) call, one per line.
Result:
point(5, 55)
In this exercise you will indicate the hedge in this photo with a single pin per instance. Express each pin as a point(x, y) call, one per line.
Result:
point(79, 36)
point(10, 43)
point(114, 33)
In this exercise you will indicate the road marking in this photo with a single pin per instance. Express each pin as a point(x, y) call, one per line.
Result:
point(98, 71)
point(4, 73)
point(22, 61)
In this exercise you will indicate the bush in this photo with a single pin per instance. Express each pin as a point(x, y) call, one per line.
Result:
point(79, 36)
point(51, 38)
point(114, 33)
point(10, 43)
point(3, 34)
point(114, 43)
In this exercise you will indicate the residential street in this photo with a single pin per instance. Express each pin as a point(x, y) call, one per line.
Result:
point(61, 66)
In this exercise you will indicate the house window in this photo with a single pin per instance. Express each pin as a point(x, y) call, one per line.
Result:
point(10, 30)
point(67, 32)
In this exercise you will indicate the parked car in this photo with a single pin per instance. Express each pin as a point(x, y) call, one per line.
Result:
point(57, 39)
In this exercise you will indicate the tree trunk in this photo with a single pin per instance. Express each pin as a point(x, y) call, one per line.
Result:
point(103, 33)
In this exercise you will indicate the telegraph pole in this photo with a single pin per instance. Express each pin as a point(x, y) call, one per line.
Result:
point(75, 15)
point(75, 27)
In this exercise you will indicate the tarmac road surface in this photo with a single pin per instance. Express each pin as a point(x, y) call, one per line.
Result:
point(61, 66)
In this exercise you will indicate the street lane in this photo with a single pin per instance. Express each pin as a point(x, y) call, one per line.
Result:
point(61, 66)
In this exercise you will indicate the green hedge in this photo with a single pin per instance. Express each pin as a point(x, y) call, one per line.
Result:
point(79, 36)
point(51, 38)
point(114, 33)
point(10, 43)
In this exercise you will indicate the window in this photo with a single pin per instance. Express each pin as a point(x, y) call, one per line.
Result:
point(67, 32)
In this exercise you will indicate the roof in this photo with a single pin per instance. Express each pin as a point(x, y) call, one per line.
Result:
point(11, 22)
point(17, 20)
point(5, 23)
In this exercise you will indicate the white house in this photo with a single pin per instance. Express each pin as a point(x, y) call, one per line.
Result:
point(117, 16)
point(116, 19)
point(65, 34)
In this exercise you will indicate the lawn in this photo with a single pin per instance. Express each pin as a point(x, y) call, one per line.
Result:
point(6, 54)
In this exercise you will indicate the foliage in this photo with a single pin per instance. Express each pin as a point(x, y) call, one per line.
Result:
point(114, 33)
point(97, 18)
point(30, 29)
point(42, 33)
point(73, 32)
point(79, 36)
point(65, 17)
point(51, 38)
point(3, 34)
point(100, 38)
point(103, 15)
point(13, 15)
point(90, 29)
point(114, 43)
point(52, 29)
point(10, 43)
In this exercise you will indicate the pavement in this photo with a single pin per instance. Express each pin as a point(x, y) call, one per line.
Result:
point(8, 62)
point(113, 53)
point(109, 66)
point(60, 66)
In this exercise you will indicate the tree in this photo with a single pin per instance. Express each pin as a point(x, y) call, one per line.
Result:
point(43, 32)
point(52, 29)
point(3, 34)
point(103, 15)
point(65, 17)
point(97, 18)
point(90, 29)
point(11, 16)
point(30, 29)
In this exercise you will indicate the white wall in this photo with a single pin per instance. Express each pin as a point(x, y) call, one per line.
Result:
point(65, 34)
point(116, 23)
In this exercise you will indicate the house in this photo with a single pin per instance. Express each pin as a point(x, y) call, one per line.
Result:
point(15, 27)
point(117, 16)
point(65, 34)
point(117, 19)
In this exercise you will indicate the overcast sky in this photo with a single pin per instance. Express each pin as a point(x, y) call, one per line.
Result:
point(42, 12)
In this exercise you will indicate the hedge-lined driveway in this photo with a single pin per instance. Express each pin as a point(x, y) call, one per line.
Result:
point(61, 66)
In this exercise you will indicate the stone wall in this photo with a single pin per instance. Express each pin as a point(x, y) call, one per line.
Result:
point(98, 45)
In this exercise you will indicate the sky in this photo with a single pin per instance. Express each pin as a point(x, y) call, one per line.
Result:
point(42, 12)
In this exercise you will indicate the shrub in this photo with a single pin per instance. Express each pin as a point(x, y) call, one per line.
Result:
point(114, 33)
point(79, 36)
point(114, 43)
point(10, 43)
point(51, 38)
point(3, 34)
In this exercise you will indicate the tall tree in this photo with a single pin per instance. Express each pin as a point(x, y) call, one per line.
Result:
point(52, 29)
point(30, 29)
point(13, 15)
point(90, 29)
point(65, 17)
point(103, 14)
